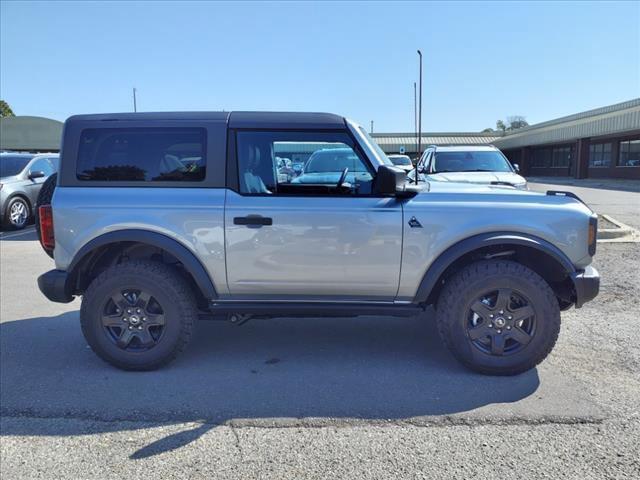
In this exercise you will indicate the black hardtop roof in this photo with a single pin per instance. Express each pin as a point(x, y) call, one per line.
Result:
point(234, 119)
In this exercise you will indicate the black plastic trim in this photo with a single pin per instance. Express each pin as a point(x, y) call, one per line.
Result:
point(154, 239)
point(54, 285)
point(587, 285)
point(314, 308)
point(453, 253)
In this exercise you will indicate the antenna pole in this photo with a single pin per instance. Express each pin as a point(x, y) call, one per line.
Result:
point(420, 115)
point(135, 106)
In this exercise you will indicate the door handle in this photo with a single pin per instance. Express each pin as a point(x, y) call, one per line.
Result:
point(253, 221)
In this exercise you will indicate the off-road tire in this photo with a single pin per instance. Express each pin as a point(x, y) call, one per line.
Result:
point(172, 293)
point(461, 290)
point(44, 198)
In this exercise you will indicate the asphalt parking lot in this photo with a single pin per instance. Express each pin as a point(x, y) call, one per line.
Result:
point(317, 398)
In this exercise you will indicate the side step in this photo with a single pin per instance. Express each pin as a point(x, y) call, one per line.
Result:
point(314, 309)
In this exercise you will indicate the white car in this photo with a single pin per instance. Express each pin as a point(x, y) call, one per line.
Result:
point(402, 161)
point(468, 164)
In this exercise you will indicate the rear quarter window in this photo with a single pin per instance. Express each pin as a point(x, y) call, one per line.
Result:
point(142, 155)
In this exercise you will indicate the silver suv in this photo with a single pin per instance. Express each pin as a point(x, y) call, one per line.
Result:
point(21, 177)
point(159, 219)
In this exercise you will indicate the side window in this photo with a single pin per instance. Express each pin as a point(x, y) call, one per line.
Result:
point(42, 165)
point(300, 163)
point(142, 154)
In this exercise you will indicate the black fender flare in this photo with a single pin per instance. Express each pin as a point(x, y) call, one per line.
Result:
point(457, 250)
point(154, 239)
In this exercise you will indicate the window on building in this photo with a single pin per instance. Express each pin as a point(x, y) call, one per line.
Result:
point(600, 155)
point(629, 153)
point(142, 154)
point(541, 157)
point(561, 157)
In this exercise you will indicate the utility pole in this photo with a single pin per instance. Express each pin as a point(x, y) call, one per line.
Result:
point(135, 106)
point(371, 127)
point(420, 115)
point(415, 115)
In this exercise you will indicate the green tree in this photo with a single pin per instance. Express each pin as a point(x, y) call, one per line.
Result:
point(500, 125)
point(513, 122)
point(488, 130)
point(5, 110)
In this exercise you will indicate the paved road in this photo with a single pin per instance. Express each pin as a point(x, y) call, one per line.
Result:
point(623, 205)
point(339, 398)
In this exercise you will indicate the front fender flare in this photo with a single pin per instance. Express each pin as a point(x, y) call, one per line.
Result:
point(456, 251)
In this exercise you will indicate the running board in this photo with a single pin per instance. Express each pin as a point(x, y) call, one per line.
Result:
point(314, 309)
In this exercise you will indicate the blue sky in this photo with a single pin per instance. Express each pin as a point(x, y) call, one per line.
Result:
point(482, 61)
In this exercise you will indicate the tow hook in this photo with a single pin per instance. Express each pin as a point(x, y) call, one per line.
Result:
point(239, 318)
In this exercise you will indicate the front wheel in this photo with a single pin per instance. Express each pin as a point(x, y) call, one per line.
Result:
point(138, 315)
point(498, 317)
point(17, 213)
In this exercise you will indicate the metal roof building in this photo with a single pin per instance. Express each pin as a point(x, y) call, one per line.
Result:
point(395, 142)
point(34, 134)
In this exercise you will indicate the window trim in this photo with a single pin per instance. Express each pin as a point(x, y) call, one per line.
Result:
point(620, 142)
point(233, 171)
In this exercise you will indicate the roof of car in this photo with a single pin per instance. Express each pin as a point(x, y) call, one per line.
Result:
point(18, 154)
point(466, 148)
point(235, 119)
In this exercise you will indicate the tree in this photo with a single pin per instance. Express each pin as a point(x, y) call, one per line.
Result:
point(514, 122)
point(5, 110)
point(488, 130)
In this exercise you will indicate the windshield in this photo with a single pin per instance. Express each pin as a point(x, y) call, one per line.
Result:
point(333, 161)
point(12, 165)
point(400, 160)
point(371, 143)
point(480, 161)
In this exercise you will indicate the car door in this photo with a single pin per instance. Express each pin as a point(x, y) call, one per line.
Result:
point(288, 238)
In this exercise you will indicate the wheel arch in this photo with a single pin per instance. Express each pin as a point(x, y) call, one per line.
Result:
point(536, 253)
point(100, 251)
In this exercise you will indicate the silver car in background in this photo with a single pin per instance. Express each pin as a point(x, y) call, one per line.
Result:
point(483, 164)
point(21, 178)
point(402, 161)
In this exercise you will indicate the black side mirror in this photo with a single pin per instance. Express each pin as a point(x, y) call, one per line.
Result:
point(516, 167)
point(36, 174)
point(389, 179)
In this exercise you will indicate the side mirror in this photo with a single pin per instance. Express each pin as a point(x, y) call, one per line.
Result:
point(389, 179)
point(516, 167)
point(36, 174)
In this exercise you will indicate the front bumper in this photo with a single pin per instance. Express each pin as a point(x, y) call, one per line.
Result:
point(54, 286)
point(587, 285)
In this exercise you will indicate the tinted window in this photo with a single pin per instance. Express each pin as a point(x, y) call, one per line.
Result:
point(300, 163)
point(142, 154)
point(629, 154)
point(600, 155)
point(12, 165)
point(478, 161)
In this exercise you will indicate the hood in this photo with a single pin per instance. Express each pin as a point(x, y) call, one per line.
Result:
point(10, 179)
point(477, 177)
point(331, 177)
point(475, 188)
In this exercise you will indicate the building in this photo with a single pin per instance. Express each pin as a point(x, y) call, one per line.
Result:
point(599, 143)
point(31, 134)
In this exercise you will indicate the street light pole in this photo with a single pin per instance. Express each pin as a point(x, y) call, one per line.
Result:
point(371, 126)
point(415, 115)
point(420, 115)
point(135, 106)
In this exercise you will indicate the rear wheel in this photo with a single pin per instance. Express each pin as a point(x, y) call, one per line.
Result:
point(498, 317)
point(138, 315)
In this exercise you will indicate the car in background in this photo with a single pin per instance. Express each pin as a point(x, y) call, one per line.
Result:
point(402, 161)
point(328, 165)
point(21, 178)
point(484, 164)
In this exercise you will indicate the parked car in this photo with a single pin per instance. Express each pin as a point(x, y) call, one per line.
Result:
point(326, 166)
point(402, 161)
point(151, 251)
point(469, 164)
point(21, 177)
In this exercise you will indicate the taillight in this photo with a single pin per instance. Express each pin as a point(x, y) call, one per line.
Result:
point(47, 237)
point(593, 234)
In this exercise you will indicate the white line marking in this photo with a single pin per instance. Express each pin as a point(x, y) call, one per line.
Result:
point(17, 234)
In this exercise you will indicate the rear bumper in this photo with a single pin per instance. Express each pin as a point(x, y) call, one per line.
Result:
point(53, 285)
point(587, 285)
